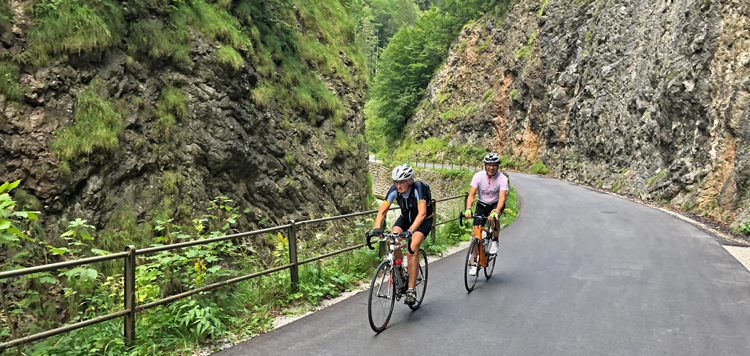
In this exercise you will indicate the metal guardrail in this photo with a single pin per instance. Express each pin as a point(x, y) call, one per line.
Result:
point(130, 263)
point(415, 162)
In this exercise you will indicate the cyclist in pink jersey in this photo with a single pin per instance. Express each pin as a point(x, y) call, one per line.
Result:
point(492, 187)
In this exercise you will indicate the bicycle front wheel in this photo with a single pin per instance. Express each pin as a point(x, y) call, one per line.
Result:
point(490, 265)
point(382, 297)
point(420, 287)
point(472, 263)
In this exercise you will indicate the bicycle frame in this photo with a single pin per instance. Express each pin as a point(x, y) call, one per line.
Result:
point(477, 233)
point(390, 257)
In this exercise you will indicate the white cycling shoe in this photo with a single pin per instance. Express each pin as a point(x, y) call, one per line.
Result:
point(473, 271)
point(493, 248)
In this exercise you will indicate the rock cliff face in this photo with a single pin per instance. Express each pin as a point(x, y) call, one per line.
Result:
point(275, 162)
point(647, 98)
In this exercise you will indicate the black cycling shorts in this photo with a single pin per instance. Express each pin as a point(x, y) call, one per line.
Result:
point(424, 228)
point(485, 210)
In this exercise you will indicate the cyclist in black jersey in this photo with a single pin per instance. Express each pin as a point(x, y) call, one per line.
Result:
point(416, 216)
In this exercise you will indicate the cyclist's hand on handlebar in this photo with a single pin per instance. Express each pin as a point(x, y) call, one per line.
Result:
point(405, 235)
point(467, 213)
point(377, 232)
point(493, 215)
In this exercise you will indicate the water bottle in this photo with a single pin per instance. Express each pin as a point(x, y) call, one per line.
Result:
point(405, 265)
point(399, 266)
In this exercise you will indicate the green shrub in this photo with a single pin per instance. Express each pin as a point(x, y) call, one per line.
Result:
point(745, 227)
point(6, 13)
point(539, 168)
point(98, 126)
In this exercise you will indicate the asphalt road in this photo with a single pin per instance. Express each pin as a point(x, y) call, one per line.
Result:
point(579, 273)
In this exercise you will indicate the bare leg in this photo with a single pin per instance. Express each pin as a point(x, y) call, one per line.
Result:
point(416, 241)
point(397, 253)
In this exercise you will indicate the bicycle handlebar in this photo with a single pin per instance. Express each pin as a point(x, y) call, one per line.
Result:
point(461, 218)
point(386, 237)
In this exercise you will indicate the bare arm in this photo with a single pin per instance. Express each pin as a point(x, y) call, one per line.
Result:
point(470, 198)
point(421, 214)
point(381, 214)
point(501, 201)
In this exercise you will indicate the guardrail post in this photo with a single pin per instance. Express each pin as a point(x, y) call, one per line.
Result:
point(434, 221)
point(294, 270)
point(129, 293)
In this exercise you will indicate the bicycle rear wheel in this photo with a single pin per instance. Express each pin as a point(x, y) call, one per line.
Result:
point(471, 261)
point(421, 286)
point(382, 297)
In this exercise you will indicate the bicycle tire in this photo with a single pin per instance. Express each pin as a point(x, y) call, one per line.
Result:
point(383, 274)
point(490, 266)
point(469, 280)
point(421, 286)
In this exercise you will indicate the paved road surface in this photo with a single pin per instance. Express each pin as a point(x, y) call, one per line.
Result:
point(579, 273)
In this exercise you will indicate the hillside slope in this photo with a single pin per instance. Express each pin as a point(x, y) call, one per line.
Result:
point(648, 98)
point(123, 112)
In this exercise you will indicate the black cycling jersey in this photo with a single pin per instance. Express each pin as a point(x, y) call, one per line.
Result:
point(408, 201)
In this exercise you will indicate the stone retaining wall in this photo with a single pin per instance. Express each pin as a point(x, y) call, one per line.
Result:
point(440, 185)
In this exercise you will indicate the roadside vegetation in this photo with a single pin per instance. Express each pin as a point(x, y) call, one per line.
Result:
point(230, 313)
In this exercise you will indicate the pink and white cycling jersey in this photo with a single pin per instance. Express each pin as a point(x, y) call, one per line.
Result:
point(489, 189)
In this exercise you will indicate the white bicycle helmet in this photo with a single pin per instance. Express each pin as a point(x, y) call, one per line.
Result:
point(403, 172)
point(492, 158)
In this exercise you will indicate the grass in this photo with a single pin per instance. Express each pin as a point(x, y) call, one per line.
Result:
point(292, 50)
point(484, 45)
point(488, 95)
point(672, 74)
point(98, 126)
point(514, 94)
point(171, 108)
point(9, 85)
point(447, 115)
point(72, 26)
point(159, 41)
point(543, 3)
point(525, 51)
point(229, 56)
point(432, 148)
point(656, 178)
point(262, 96)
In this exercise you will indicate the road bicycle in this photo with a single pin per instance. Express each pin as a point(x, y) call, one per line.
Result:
point(390, 281)
point(479, 252)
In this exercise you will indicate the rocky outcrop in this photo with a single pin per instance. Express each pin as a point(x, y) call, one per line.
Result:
point(648, 98)
point(275, 163)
